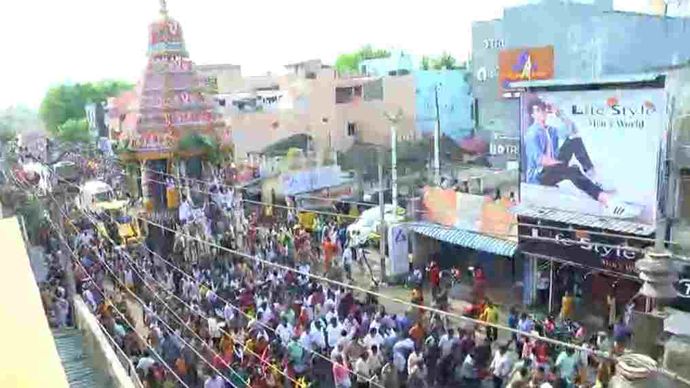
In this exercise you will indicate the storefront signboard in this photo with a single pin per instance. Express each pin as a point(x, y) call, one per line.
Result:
point(580, 247)
point(593, 152)
point(505, 146)
point(524, 64)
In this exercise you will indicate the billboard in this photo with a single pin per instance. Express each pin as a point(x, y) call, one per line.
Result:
point(593, 152)
point(525, 64)
point(474, 213)
point(304, 181)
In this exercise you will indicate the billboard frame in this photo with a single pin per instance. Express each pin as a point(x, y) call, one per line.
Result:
point(628, 82)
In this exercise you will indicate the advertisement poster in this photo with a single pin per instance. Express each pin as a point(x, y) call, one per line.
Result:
point(592, 250)
point(593, 152)
point(398, 249)
point(296, 182)
point(474, 213)
point(524, 64)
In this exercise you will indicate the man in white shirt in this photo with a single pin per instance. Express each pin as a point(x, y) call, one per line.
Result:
point(333, 331)
point(214, 327)
point(145, 363)
point(228, 314)
point(214, 382)
point(375, 359)
point(501, 366)
point(347, 262)
point(363, 371)
point(447, 341)
point(284, 331)
point(414, 360)
point(316, 336)
point(373, 338)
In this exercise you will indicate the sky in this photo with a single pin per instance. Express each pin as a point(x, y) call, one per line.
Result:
point(48, 42)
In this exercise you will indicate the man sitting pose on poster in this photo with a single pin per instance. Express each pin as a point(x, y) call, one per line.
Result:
point(548, 164)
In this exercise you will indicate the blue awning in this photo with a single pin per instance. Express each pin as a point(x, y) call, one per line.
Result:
point(477, 241)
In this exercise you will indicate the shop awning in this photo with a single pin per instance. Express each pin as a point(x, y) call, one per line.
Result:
point(477, 241)
point(586, 220)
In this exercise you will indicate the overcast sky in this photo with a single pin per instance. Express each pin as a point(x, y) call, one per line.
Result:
point(45, 42)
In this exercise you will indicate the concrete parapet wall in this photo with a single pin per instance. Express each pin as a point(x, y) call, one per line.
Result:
point(101, 348)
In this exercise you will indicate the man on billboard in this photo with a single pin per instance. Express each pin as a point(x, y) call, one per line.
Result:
point(552, 146)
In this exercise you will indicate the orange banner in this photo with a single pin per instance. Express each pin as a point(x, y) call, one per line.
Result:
point(524, 64)
point(497, 220)
point(440, 206)
point(475, 213)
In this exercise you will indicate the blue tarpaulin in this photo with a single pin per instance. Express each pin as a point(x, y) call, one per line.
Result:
point(477, 241)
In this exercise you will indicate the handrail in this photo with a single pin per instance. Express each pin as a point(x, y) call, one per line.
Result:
point(124, 359)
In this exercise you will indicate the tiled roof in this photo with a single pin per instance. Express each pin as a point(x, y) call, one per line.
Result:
point(478, 241)
point(581, 219)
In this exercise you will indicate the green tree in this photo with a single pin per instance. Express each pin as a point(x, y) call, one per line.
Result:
point(444, 62)
point(425, 64)
point(74, 131)
point(64, 102)
point(349, 62)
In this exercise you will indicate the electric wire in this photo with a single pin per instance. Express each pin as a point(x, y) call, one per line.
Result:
point(604, 355)
point(132, 263)
point(227, 302)
point(124, 318)
point(450, 212)
point(172, 331)
point(360, 289)
point(134, 296)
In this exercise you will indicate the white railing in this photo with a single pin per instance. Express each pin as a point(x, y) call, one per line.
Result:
point(124, 359)
point(106, 354)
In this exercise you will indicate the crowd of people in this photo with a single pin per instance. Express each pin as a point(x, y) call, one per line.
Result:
point(232, 318)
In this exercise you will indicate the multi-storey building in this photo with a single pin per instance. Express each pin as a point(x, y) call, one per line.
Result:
point(586, 38)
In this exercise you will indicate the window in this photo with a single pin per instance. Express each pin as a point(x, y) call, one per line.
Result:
point(310, 75)
point(212, 84)
point(347, 94)
point(343, 95)
point(351, 129)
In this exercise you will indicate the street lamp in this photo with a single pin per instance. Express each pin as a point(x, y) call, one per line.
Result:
point(324, 121)
point(394, 119)
point(437, 140)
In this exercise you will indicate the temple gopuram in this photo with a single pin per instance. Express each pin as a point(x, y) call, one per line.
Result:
point(169, 126)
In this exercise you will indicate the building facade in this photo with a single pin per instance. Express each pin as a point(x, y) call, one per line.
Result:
point(443, 97)
point(589, 39)
point(221, 79)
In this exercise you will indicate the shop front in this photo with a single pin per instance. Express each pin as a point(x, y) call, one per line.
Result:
point(596, 267)
point(469, 232)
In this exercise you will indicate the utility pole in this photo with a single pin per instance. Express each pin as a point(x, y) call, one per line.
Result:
point(382, 226)
point(437, 141)
point(394, 119)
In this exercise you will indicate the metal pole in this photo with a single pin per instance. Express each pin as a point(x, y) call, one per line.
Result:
point(551, 286)
point(382, 227)
point(437, 141)
point(394, 166)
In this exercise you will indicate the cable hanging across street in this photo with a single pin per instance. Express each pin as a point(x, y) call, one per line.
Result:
point(235, 187)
